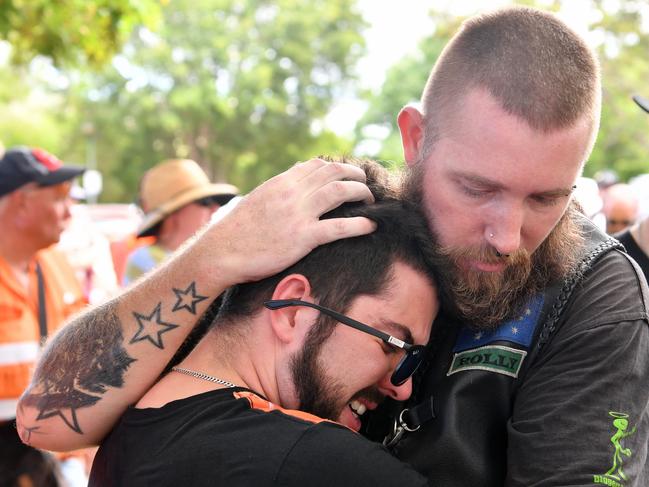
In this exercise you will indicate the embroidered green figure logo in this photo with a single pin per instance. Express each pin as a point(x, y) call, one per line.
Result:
point(615, 474)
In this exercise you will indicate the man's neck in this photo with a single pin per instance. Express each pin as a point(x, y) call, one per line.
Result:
point(215, 357)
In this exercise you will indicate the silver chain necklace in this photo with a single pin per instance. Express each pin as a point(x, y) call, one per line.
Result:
point(200, 375)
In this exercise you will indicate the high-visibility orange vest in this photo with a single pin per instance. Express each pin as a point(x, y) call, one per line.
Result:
point(19, 328)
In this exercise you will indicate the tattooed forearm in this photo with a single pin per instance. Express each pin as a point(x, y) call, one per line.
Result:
point(152, 327)
point(187, 299)
point(89, 357)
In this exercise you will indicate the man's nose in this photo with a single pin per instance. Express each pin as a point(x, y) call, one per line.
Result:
point(504, 232)
point(67, 208)
point(398, 393)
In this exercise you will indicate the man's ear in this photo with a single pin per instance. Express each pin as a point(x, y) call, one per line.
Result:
point(410, 123)
point(292, 322)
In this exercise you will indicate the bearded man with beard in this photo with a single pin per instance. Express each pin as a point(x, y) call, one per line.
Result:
point(539, 365)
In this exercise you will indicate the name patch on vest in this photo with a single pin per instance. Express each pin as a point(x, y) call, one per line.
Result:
point(492, 358)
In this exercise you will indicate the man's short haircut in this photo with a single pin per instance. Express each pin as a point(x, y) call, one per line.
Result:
point(342, 270)
point(533, 64)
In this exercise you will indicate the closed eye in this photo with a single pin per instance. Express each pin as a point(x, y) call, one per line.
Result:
point(475, 192)
point(543, 200)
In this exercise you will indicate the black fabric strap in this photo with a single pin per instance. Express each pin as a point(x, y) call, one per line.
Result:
point(419, 414)
point(42, 308)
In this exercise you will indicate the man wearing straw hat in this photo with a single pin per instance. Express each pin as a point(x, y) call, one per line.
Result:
point(177, 199)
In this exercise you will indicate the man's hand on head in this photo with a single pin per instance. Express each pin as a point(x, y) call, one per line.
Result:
point(279, 222)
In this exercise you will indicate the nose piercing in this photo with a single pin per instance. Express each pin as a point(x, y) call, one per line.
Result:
point(491, 235)
point(498, 254)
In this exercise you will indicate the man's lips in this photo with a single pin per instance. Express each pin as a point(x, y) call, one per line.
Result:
point(350, 415)
point(483, 266)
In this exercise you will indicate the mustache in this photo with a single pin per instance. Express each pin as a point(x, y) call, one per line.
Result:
point(485, 253)
point(370, 393)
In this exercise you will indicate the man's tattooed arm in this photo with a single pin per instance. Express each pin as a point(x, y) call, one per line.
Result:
point(90, 359)
point(107, 358)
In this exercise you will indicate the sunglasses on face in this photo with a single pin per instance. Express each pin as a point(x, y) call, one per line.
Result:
point(626, 223)
point(207, 202)
point(406, 366)
point(214, 200)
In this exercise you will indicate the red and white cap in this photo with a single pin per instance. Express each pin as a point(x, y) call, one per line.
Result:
point(24, 165)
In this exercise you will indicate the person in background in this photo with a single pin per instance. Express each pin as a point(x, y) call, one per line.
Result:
point(620, 208)
point(177, 199)
point(38, 291)
point(636, 238)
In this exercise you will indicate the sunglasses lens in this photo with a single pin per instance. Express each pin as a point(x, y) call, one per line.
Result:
point(408, 365)
point(206, 202)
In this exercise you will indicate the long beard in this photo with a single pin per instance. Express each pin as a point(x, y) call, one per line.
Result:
point(483, 300)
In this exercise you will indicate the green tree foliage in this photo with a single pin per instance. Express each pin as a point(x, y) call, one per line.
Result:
point(623, 141)
point(403, 85)
point(236, 85)
point(72, 31)
point(29, 115)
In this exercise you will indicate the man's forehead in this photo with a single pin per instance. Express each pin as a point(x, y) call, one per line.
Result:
point(407, 305)
point(411, 327)
point(397, 329)
point(59, 190)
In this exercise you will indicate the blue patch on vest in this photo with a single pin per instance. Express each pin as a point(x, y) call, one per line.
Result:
point(520, 330)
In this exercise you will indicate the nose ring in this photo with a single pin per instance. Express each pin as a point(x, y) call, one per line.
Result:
point(491, 235)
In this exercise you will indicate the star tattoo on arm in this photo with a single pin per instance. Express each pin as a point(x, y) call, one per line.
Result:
point(152, 327)
point(187, 299)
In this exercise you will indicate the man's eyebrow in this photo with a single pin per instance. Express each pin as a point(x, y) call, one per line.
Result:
point(555, 193)
point(397, 330)
point(494, 185)
point(481, 180)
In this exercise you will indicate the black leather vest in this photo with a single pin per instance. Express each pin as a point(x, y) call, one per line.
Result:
point(464, 398)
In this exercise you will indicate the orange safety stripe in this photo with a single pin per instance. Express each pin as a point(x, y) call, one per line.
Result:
point(14, 378)
point(262, 404)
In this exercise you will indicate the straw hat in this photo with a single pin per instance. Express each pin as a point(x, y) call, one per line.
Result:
point(173, 184)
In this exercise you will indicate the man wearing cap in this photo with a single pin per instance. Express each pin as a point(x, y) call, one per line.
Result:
point(177, 199)
point(636, 238)
point(38, 288)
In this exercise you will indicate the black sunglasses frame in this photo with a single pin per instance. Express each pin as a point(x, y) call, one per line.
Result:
point(406, 366)
point(214, 200)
